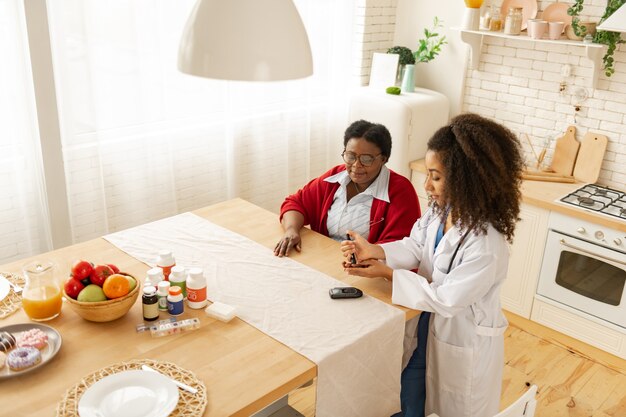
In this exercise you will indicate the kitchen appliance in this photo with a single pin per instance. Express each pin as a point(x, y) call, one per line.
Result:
point(584, 264)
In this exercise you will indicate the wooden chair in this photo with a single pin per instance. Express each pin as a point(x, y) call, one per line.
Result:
point(523, 407)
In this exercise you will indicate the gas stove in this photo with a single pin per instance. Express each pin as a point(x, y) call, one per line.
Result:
point(599, 199)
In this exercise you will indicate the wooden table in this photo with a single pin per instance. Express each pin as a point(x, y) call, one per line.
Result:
point(243, 369)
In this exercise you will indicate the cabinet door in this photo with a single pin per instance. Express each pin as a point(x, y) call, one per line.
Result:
point(518, 290)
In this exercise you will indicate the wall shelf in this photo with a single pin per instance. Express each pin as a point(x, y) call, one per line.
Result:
point(474, 38)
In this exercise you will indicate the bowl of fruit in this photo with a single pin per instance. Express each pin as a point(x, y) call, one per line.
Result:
point(100, 292)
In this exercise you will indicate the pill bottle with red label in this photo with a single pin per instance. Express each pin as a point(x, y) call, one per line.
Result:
point(196, 288)
point(166, 261)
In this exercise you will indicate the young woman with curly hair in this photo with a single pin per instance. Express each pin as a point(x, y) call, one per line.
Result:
point(460, 249)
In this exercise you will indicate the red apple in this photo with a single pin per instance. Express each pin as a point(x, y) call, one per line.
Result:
point(115, 269)
point(72, 287)
point(100, 274)
point(81, 270)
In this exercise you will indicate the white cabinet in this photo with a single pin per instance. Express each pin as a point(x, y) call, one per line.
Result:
point(518, 291)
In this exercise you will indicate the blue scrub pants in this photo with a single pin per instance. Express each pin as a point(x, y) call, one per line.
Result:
point(413, 380)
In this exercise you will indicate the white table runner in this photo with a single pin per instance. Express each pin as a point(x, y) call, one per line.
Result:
point(356, 344)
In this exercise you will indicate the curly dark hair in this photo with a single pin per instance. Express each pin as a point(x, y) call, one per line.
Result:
point(483, 172)
point(371, 132)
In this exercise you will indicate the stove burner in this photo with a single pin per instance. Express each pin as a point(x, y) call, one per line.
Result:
point(586, 201)
point(601, 192)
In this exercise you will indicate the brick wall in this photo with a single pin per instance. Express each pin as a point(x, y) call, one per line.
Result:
point(517, 83)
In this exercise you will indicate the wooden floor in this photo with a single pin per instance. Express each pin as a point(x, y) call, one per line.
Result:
point(571, 384)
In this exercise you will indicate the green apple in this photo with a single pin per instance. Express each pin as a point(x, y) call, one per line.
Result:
point(132, 282)
point(92, 293)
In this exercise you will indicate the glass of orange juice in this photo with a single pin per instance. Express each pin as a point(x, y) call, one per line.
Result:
point(41, 297)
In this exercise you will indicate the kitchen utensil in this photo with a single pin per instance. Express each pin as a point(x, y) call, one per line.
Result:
point(129, 394)
point(529, 9)
point(557, 12)
point(590, 157)
point(177, 383)
point(16, 288)
point(549, 178)
point(555, 30)
point(565, 152)
point(47, 353)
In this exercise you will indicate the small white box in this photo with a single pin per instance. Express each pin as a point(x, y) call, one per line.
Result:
point(222, 312)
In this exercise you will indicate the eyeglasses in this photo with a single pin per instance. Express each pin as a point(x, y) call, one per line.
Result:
point(366, 159)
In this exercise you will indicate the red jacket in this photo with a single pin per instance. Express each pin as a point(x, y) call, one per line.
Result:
point(403, 210)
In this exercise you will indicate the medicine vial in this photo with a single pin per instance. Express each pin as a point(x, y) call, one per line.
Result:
point(166, 261)
point(179, 278)
point(196, 289)
point(162, 293)
point(175, 304)
point(153, 277)
point(150, 305)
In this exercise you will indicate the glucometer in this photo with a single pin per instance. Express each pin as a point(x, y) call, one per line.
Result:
point(345, 292)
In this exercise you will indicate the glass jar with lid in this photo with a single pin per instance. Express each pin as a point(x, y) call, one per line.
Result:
point(513, 21)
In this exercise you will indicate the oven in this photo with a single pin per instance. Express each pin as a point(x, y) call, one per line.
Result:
point(584, 270)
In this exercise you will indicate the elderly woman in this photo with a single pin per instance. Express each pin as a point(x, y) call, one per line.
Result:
point(363, 195)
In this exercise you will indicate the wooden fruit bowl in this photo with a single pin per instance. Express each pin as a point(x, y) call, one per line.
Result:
point(102, 311)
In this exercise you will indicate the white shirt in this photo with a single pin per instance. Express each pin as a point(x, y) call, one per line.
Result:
point(355, 214)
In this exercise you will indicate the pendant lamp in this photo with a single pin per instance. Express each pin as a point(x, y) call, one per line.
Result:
point(616, 22)
point(245, 40)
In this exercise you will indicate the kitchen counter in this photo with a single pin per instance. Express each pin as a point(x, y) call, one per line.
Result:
point(545, 195)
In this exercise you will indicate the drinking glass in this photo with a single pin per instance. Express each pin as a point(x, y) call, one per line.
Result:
point(41, 297)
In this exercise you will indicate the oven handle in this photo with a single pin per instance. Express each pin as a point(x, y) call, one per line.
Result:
point(564, 243)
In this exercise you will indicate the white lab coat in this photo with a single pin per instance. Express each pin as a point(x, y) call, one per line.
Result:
point(465, 350)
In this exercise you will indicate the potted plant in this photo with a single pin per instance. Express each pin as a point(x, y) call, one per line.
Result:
point(405, 58)
point(608, 38)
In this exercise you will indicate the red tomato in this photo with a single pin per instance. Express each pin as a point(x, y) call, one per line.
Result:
point(100, 274)
point(81, 270)
point(72, 287)
point(115, 269)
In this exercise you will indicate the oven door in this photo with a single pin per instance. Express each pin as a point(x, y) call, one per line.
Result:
point(584, 276)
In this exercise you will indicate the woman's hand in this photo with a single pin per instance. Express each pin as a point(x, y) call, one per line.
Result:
point(291, 240)
point(361, 248)
point(370, 269)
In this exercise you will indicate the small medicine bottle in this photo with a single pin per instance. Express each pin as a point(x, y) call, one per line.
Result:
point(179, 278)
point(166, 261)
point(196, 288)
point(149, 303)
point(175, 301)
point(153, 277)
point(162, 293)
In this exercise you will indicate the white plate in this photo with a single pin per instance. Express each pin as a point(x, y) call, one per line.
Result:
point(47, 353)
point(129, 394)
point(4, 287)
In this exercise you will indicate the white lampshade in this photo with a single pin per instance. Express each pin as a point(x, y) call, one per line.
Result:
point(616, 22)
point(245, 40)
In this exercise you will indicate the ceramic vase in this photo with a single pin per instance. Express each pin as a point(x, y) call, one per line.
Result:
point(408, 80)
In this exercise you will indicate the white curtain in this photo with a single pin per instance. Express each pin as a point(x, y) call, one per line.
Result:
point(24, 224)
point(142, 141)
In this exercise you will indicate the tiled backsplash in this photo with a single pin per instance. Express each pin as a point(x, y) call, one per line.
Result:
point(517, 83)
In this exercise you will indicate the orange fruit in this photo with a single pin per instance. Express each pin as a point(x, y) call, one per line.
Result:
point(116, 286)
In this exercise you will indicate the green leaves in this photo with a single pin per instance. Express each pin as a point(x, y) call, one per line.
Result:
point(430, 45)
point(406, 56)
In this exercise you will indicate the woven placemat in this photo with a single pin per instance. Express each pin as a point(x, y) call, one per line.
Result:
point(13, 301)
point(191, 405)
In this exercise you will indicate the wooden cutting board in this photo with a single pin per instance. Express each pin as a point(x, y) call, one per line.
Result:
point(565, 153)
point(590, 157)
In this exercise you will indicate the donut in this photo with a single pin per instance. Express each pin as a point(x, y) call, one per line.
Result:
point(7, 341)
point(3, 358)
point(33, 338)
point(23, 357)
